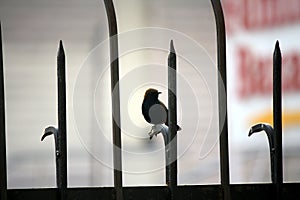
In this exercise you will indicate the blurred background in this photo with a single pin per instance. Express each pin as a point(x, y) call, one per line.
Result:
point(31, 31)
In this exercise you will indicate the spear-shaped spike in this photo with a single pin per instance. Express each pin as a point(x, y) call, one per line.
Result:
point(277, 116)
point(171, 149)
point(61, 51)
point(172, 49)
point(60, 134)
point(62, 123)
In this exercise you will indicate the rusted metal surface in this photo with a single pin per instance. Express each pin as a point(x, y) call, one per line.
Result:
point(114, 71)
point(3, 172)
point(222, 83)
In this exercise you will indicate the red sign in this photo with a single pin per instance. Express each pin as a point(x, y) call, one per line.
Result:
point(255, 72)
point(257, 14)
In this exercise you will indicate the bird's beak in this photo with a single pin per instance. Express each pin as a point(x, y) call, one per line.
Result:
point(159, 92)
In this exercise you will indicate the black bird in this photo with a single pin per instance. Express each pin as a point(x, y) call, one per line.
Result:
point(154, 111)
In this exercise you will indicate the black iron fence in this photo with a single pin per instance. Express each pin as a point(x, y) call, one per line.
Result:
point(275, 190)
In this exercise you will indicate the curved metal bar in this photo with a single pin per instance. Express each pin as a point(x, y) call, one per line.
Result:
point(268, 130)
point(271, 139)
point(114, 70)
point(52, 131)
point(58, 152)
point(222, 80)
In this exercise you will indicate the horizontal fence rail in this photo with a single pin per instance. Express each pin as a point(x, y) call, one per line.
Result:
point(290, 191)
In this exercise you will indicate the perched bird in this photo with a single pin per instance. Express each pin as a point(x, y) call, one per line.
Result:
point(154, 111)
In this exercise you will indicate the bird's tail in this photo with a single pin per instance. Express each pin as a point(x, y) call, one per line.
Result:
point(178, 127)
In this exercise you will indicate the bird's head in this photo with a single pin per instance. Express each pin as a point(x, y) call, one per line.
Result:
point(152, 93)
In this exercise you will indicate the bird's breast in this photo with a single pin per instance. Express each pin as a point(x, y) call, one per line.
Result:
point(157, 114)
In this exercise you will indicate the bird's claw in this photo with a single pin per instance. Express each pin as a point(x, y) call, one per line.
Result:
point(159, 128)
point(155, 130)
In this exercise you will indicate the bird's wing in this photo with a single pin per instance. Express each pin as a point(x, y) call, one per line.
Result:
point(163, 106)
point(145, 112)
point(165, 111)
point(167, 120)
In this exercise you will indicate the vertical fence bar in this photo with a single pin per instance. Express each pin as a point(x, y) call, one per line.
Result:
point(114, 71)
point(167, 157)
point(172, 117)
point(61, 172)
point(221, 49)
point(277, 117)
point(3, 174)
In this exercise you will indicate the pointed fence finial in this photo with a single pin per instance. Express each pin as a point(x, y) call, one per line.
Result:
point(61, 51)
point(172, 49)
point(277, 54)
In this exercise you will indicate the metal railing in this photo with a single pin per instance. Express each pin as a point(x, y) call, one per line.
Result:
point(275, 134)
point(277, 189)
